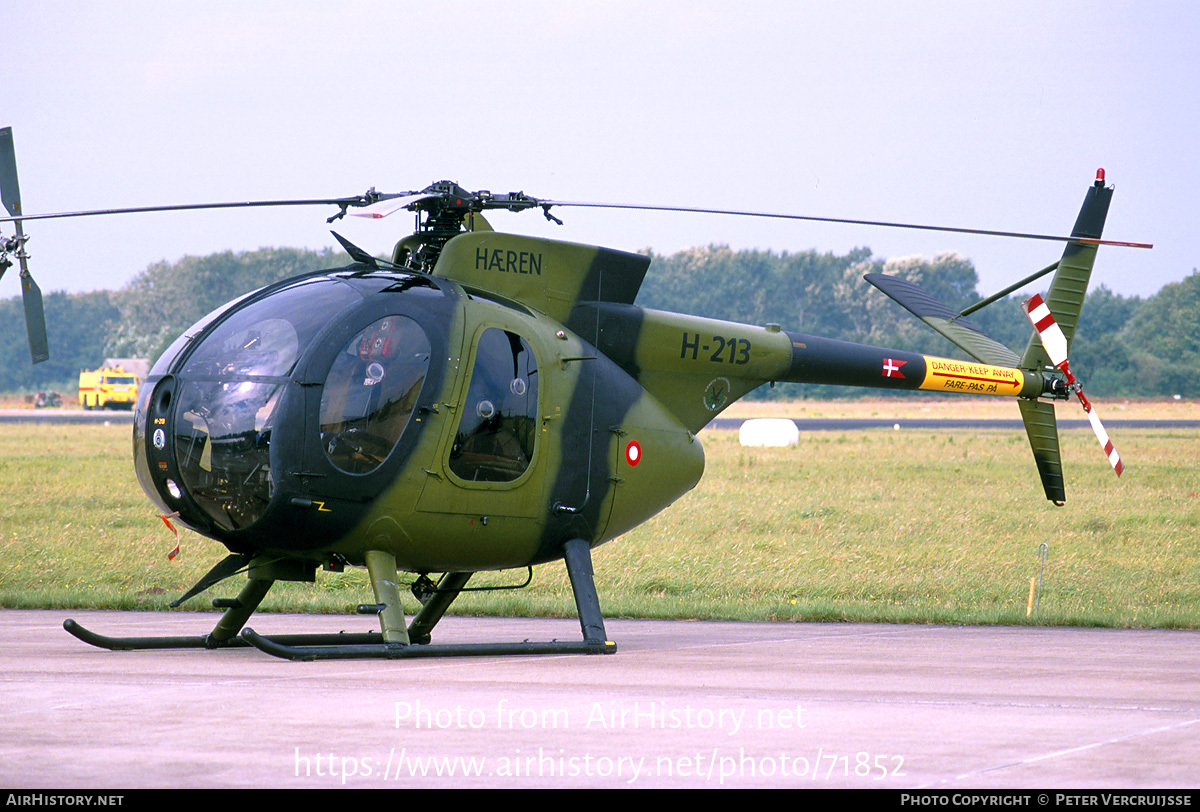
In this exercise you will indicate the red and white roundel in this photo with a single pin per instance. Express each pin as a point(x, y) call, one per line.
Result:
point(633, 453)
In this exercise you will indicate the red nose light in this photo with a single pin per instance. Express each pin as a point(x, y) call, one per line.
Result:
point(1100, 175)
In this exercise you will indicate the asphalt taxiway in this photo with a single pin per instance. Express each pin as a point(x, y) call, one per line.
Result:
point(682, 704)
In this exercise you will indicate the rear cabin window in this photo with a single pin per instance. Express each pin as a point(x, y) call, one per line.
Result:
point(497, 430)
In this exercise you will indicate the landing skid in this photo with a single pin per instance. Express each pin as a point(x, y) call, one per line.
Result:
point(396, 640)
point(282, 647)
point(207, 641)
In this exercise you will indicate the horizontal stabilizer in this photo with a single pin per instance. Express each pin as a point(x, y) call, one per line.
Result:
point(965, 335)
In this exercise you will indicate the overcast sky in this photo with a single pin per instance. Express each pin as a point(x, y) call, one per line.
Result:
point(976, 114)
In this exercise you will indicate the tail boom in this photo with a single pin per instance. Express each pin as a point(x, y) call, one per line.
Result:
point(828, 361)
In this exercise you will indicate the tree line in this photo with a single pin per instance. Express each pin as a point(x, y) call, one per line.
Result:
point(1124, 346)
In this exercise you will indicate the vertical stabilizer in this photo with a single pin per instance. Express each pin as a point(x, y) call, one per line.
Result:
point(1069, 285)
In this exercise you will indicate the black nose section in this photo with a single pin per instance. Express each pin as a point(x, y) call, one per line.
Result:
point(153, 458)
point(201, 453)
point(155, 455)
point(158, 408)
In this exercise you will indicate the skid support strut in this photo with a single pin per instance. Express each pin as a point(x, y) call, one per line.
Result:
point(583, 583)
point(448, 587)
point(382, 568)
point(239, 610)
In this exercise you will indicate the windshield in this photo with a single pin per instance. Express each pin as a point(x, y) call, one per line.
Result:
point(222, 439)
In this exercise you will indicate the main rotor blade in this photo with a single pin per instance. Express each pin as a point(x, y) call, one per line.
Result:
point(814, 219)
point(338, 201)
point(387, 206)
point(10, 191)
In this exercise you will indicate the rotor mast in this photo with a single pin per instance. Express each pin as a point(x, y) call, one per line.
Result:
point(441, 210)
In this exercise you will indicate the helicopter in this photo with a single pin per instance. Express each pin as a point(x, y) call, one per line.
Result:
point(485, 401)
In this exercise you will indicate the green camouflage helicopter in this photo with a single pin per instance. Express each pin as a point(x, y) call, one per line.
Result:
point(488, 401)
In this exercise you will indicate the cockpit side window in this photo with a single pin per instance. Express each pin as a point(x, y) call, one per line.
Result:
point(498, 427)
point(371, 392)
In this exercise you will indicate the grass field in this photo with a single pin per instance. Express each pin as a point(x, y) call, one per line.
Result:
point(881, 525)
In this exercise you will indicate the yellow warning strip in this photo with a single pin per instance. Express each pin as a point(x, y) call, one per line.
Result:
point(945, 375)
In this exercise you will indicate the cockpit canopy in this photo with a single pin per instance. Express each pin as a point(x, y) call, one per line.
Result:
point(218, 395)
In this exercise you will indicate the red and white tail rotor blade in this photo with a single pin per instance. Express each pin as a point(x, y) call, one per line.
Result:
point(1049, 332)
point(1055, 343)
point(1114, 459)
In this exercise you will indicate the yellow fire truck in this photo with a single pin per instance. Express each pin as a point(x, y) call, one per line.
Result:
point(107, 388)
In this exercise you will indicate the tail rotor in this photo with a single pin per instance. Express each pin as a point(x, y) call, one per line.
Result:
point(31, 294)
point(1055, 344)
